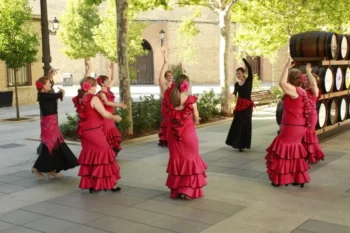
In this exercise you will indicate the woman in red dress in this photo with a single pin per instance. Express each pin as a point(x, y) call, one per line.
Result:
point(286, 155)
point(165, 84)
point(112, 134)
point(310, 140)
point(98, 167)
point(186, 168)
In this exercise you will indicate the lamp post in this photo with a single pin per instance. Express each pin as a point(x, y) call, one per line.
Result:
point(161, 35)
point(46, 59)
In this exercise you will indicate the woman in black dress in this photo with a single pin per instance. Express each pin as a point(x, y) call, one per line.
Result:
point(55, 154)
point(240, 134)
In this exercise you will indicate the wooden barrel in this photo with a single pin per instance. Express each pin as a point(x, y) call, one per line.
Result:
point(333, 111)
point(314, 44)
point(322, 115)
point(326, 75)
point(343, 44)
point(343, 108)
point(347, 78)
point(279, 112)
point(339, 78)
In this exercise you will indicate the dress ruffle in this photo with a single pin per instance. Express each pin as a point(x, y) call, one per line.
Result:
point(286, 163)
point(312, 146)
point(186, 177)
point(165, 122)
point(80, 109)
point(114, 138)
point(98, 171)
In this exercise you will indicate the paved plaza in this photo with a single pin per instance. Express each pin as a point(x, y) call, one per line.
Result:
point(238, 197)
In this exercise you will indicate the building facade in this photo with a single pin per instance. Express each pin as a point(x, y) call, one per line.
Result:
point(27, 75)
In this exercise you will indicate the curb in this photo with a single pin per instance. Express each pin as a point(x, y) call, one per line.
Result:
point(143, 138)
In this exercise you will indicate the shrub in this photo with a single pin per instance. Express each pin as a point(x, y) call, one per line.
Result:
point(208, 105)
point(256, 83)
point(276, 92)
point(69, 128)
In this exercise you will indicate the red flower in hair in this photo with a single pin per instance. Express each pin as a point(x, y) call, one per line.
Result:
point(86, 86)
point(184, 86)
point(303, 78)
point(99, 80)
point(39, 85)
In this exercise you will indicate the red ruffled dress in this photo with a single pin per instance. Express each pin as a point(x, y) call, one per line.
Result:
point(286, 155)
point(164, 109)
point(98, 167)
point(112, 133)
point(310, 140)
point(186, 168)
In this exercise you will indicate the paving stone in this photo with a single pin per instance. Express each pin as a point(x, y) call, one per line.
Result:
point(159, 207)
point(51, 225)
point(323, 227)
point(214, 169)
point(116, 225)
point(120, 199)
point(199, 215)
point(9, 178)
point(10, 188)
point(85, 229)
point(20, 217)
point(301, 231)
point(20, 230)
point(149, 229)
point(78, 216)
point(45, 208)
point(143, 192)
point(24, 173)
point(221, 164)
point(31, 182)
point(5, 226)
point(218, 206)
point(241, 172)
point(180, 225)
point(10, 145)
point(138, 215)
point(178, 202)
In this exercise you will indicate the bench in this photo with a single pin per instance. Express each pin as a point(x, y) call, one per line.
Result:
point(263, 97)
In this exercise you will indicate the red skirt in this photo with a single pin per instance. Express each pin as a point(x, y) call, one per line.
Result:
point(112, 134)
point(165, 122)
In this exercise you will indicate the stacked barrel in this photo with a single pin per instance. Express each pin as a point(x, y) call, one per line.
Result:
point(329, 55)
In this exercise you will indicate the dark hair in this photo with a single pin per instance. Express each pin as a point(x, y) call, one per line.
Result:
point(43, 80)
point(104, 78)
point(175, 92)
point(240, 69)
point(90, 80)
point(295, 77)
point(168, 72)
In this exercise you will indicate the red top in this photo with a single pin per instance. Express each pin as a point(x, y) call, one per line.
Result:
point(110, 97)
point(314, 99)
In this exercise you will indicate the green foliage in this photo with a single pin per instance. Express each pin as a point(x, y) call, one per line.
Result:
point(276, 92)
point(18, 42)
point(69, 128)
point(176, 69)
point(256, 83)
point(208, 105)
point(105, 35)
point(76, 26)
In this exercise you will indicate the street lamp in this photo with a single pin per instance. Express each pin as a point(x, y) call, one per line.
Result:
point(161, 35)
point(55, 25)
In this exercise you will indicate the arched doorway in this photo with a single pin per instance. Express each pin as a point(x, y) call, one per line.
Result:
point(144, 67)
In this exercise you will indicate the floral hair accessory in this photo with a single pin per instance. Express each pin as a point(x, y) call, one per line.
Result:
point(86, 86)
point(39, 85)
point(184, 86)
point(303, 78)
point(99, 80)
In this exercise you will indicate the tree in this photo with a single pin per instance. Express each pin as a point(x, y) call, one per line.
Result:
point(76, 31)
point(267, 25)
point(105, 38)
point(18, 42)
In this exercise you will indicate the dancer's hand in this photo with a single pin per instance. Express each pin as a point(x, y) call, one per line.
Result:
point(197, 120)
point(123, 106)
point(117, 118)
point(60, 89)
point(308, 68)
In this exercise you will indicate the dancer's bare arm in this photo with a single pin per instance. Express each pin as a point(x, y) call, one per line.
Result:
point(312, 80)
point(97, 105)
point(287, 88)
point(110, 103)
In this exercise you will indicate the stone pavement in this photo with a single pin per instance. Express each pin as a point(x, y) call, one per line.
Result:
point(238, 197)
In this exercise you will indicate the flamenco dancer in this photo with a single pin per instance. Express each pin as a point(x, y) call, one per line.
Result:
point(52, 72)
point(98, 167)
point(186, 168)
point(286, 155)
point(55, 155)
point(310, 140)
point(240, 134)
point(165, 84)
point(112, 134)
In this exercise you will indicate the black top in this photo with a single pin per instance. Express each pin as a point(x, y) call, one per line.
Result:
point(245, 90)
point(48, 102)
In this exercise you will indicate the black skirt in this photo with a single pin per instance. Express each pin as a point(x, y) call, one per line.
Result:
point(62, 158)
point(240, 134)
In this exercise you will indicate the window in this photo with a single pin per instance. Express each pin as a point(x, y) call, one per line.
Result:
point(24, 76)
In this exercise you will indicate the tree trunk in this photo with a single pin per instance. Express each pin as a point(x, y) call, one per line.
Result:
point(112, 67)
point(16, 93)
point(225, 34)
point(88, 66)
point(122, 54)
